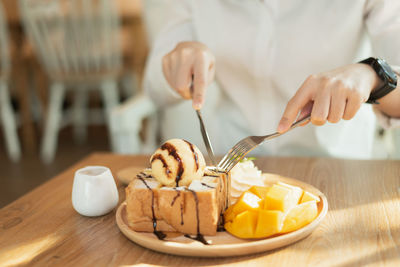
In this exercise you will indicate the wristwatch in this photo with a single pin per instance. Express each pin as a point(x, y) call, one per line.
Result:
point(386, 74)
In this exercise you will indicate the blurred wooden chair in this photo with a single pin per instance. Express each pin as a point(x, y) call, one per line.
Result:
point(6, 111)
point(128, 134)
point(78, 43)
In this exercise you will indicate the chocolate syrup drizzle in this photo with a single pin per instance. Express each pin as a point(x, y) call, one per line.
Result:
point(172, 152)
point(221, 225)
point(144, 175)
point(206, 185)
point(199, 237)
point(161, 158)
point(182, 213)
point(195, 156)
point(160, 235)
point(178, 193)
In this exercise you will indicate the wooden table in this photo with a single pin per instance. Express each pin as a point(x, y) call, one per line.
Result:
point(362, 226)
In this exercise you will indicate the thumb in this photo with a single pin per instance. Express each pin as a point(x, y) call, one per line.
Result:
point(297, 103)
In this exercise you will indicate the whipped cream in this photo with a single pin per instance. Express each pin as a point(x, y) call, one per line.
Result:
point(243, 176)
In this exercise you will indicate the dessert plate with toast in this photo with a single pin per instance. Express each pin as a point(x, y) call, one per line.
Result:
point(181, 206)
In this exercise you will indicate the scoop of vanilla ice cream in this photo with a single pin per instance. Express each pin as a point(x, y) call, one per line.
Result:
point(243, 176)
point(177, 163)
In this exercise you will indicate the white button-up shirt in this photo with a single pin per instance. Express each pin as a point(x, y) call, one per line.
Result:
point(264, 51)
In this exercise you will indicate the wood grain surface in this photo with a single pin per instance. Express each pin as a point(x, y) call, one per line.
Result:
point(362, 226)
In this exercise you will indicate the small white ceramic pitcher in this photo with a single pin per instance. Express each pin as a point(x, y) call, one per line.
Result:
point(94, 192)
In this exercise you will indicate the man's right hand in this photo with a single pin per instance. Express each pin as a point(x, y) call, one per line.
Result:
point(187, 60)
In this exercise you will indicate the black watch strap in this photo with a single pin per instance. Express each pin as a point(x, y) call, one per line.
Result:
point(386, 74)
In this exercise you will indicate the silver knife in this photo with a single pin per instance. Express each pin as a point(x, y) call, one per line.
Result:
point(204, 133)
point(206, 139)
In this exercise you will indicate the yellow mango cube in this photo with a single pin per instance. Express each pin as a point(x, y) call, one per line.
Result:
point(286, 185)
point(247, 201)
point(269, 222)
point(282, 198)
point(243, 225)
point(260, 191)
point(228, 214)
point(307, 196)
point(300, 216)
point(261, 203)
point(293, 187)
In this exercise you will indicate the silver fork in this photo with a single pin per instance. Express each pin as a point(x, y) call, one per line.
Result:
point(240, 150)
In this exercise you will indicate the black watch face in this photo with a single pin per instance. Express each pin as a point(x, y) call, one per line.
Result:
point(388, 72)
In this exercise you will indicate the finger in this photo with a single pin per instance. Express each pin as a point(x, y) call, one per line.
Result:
point(321, 106)
point(352, 106)
point(295, 104)
point(183, 79)
point(200, 71)
point(306, 111)
point(211, 72)
point(166, 67)
point(337, 106)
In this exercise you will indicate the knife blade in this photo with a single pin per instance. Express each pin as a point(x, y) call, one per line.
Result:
point(206, 139)
point(203, 130)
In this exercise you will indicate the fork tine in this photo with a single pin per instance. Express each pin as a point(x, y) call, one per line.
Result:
point(239, 157)
point(232, 155)
point(222, 165)
point(233, 163)
point(242, 149)
point(235, 156)
point(228, 156)
point(241, 152)
point(224, 159)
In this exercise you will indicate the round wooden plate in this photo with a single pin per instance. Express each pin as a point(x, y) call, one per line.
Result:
point(223, 244)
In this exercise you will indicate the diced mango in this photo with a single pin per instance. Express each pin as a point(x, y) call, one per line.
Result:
point(247, 201)
point(275, 197)
point(243, 225)
point(269, 222)
point(265, 211)
point(228, 214)
point(261, 203)
point(282, 198)
point(260, 191)
point(286, 185)
point(297, 189)
point(307, 196)
point(300, 216)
